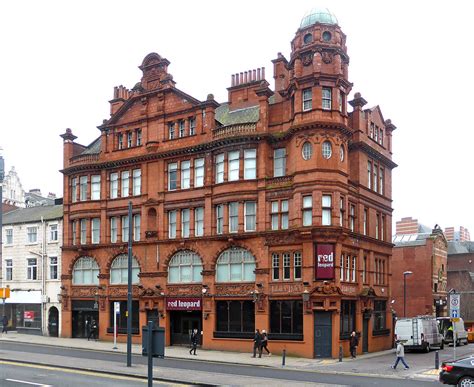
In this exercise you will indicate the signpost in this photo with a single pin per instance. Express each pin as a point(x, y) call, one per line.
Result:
point(4, 294)
point(116, 312)
point(454, 305)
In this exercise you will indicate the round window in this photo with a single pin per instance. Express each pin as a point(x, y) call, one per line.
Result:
point(326, 36)
point(327, 150)
point(308, 38)
point(341, 152)
point(307, 151)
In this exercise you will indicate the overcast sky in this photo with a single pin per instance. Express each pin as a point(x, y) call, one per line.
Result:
point(61, 59)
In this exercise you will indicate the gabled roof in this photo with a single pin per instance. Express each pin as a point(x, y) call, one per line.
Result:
point(239, 116)
point(376, 109)
point(33, 214)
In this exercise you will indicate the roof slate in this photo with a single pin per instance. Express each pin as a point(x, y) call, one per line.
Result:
point(93, 148)
point(460, 247)
point(33, 214)
point(238, 116)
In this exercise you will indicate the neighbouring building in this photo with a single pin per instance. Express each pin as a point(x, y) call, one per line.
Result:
point(34, 198)
point(271, 210)
point(420, 253)
point(457, 236)
point(31, 268)
point(13, 192)
point(461, 277)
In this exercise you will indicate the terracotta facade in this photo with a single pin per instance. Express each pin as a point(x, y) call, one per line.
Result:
point(270, 211)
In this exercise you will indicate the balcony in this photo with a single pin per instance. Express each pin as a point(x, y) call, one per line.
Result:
point(84, 159)
point(234, 130)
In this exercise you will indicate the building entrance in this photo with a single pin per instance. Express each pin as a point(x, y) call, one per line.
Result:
point(182, 324)
point(322, 334)
point(83, 312)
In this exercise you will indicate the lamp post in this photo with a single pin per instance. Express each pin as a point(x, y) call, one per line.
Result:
point(405, 274)
point(2, 175)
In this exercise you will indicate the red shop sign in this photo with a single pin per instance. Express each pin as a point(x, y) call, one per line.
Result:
point(175, 303)
point(29, 315)
point(324, 261)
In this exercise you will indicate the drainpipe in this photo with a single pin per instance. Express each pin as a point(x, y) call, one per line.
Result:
point(43, 276)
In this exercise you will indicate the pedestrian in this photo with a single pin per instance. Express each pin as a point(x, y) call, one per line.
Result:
point(265, 342)
point(354, 342)
point(194, 341)
point(257, 344)
point(400, 355)
point(5, 324)
point(93, 331)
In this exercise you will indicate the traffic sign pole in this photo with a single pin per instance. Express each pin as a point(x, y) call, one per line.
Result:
point(454, 313)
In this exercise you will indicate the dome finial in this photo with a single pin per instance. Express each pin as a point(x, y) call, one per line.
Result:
point(318, 15)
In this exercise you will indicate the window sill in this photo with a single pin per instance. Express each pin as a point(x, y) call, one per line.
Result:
point(286, 336)
point(381, 332)
point(233, 335)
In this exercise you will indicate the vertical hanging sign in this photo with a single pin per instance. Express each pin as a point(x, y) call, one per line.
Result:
point(324, 266)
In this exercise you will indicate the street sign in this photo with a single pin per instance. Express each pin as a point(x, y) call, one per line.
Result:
point(117, 307)
point(454, 305)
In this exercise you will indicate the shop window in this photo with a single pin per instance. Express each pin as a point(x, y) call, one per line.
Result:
point(119, 270)
point(348, 314)
point(235, 265)
point(380, 315)
point(235, 318)
point(185, 266)
point(122, 318)
point(85, 272)
point(286, 319)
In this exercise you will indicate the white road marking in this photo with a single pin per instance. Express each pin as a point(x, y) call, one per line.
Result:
point(30, 383)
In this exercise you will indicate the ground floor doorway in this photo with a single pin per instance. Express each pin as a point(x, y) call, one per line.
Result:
point(182, 324)
point(322, 334)
point(83, 313)
point(53, 321)
point(365, 335)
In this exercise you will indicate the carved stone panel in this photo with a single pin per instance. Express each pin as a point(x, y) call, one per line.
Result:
point(234, 289)
point(286, 288)
point(184, 290)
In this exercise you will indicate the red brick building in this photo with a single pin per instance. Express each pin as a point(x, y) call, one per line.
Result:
point(423, 252)
point(461, 277)
point(271, 210)
point(452, 235)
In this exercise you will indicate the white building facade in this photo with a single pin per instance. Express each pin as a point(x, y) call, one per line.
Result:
point(31, 267)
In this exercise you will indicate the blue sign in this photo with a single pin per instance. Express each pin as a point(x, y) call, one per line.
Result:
point(454, 313)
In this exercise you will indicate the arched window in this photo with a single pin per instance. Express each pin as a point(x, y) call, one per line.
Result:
point(185, 266)
point(234, 265)
point(85, 272)
point(327, 149)
point(119, 270)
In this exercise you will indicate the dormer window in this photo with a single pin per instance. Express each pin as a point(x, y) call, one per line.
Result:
point(308, 38)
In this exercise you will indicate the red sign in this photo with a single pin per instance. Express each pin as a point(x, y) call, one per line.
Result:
point(29, 315)
point(324, 261)
point(175, 303)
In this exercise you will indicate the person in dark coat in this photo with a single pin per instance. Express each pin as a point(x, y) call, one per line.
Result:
point(354, 342)
point(194, 341)
point(5, 324)
point(93, 331)
point(257, 344)
point(265, 342)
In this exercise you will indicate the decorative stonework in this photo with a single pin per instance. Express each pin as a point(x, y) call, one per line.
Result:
point(286, 288)
point(150, 274)
point(151, 234)
point(121, 291)
point(327, 289)
point(184, 290)
point(307, 58)
point(234, 289)
point(208, 273)
point(83, 292)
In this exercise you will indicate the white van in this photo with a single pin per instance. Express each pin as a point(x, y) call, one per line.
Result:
point(445, 324)
point(419, 333)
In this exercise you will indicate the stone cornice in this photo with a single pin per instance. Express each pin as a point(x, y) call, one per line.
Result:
point(372, 153)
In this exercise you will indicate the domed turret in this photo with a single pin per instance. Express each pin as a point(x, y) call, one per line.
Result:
point(318, 15)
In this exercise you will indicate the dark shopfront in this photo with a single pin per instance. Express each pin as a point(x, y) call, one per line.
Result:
point(185, 316)
point(83, 312)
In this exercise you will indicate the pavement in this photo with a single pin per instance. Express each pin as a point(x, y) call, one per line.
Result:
point(372, 364)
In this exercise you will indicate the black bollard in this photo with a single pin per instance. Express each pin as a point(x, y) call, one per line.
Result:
point(283, 357)
point(340, 353)
point(436, 360)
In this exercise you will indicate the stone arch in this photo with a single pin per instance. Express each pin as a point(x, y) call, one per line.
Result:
point(192, 266)
point(76, 261)
point(176, 250)
point(227, 269)
point(230, 246)
point(120, 256)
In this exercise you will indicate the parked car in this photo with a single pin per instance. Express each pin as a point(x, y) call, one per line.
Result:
point(447, 328)
point(460, 372)
point(419, 333)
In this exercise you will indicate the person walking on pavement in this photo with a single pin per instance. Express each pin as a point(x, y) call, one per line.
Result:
point(257, 344)
point(265, 342)
point(5, 324)
point(354, 342)
point(400, 355)
point(194, 341)
point(93, 331)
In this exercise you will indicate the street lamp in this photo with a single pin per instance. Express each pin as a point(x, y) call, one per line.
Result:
point(405, 274)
